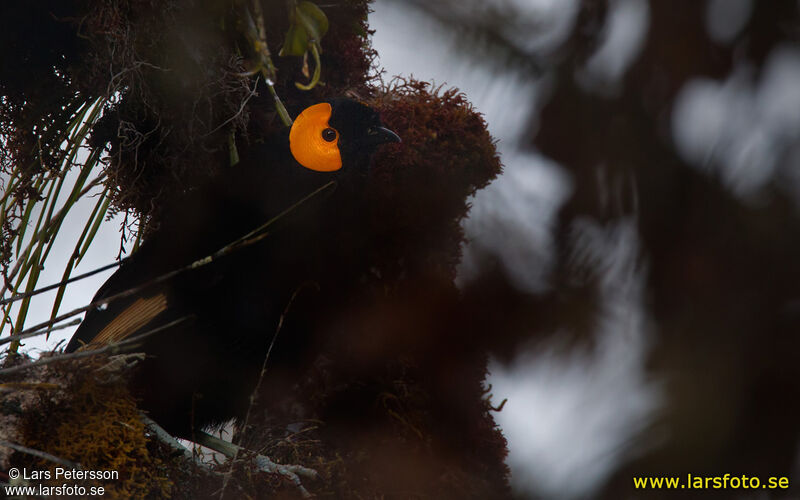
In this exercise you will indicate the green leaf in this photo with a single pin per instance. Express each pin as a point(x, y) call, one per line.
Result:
point(85, 239)
point(312, 19)
point(98, 219)
point(71, 129)
point(138, 240)
point(296, 42)
point(23, 309)
point(308, 25)
point(13, 183)
point(23, 223)
point(233, 152)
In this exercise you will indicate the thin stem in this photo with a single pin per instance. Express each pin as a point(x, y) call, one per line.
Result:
point(22, 336)
point(114, 348)
point(44, 232)
point(317, 70)
point(269, 67)
point(265, 64)
point(39, 454)
point(73, 279)
point(248, 239)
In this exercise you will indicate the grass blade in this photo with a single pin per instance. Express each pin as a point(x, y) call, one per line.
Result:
point(23, 309)
point(23, 224)
point(98, 219)
point(85, 239)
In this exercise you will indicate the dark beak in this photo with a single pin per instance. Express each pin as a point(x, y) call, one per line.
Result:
point(381, 135)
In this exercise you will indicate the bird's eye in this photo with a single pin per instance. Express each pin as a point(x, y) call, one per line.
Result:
point(329, 134)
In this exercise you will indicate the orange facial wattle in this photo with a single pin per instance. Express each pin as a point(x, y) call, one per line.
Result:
point(307, 143)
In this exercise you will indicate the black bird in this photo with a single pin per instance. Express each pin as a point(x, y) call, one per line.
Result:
point(200, 373)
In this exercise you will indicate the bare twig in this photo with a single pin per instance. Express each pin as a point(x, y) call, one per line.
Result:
point(47, 288)
point(238, 112)
point(27, 386)
point(254, 395)
point(230, 450)
point(13, 338)
point(165, 437)
point(39, 454)
point(264, 463)
point(112, 348)
point(500, 406)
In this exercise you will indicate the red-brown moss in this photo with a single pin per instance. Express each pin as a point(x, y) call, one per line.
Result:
point(423, 185)
point(392, 404)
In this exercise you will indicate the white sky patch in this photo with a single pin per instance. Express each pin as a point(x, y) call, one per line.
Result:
point(573, 414)
point(513, 218)
point(553, 20)
point(726, 18)
point(744, 128)
point(778, 95)
point(622, 41)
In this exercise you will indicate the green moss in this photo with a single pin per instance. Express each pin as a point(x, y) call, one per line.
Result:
point(97, 425)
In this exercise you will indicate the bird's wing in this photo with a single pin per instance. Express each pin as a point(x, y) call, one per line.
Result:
point(131, 319)
point(122, 318)
point(195, 228)
point(199, 224)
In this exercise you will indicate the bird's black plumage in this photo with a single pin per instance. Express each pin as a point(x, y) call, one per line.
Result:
point(202, 371)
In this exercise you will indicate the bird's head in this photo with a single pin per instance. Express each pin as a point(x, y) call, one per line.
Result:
point(338, 135)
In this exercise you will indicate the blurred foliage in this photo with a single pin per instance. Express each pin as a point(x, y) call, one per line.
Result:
point(513, 36)
point(722, 274)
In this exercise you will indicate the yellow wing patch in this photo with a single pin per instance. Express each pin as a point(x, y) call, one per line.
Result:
point(130, 320)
